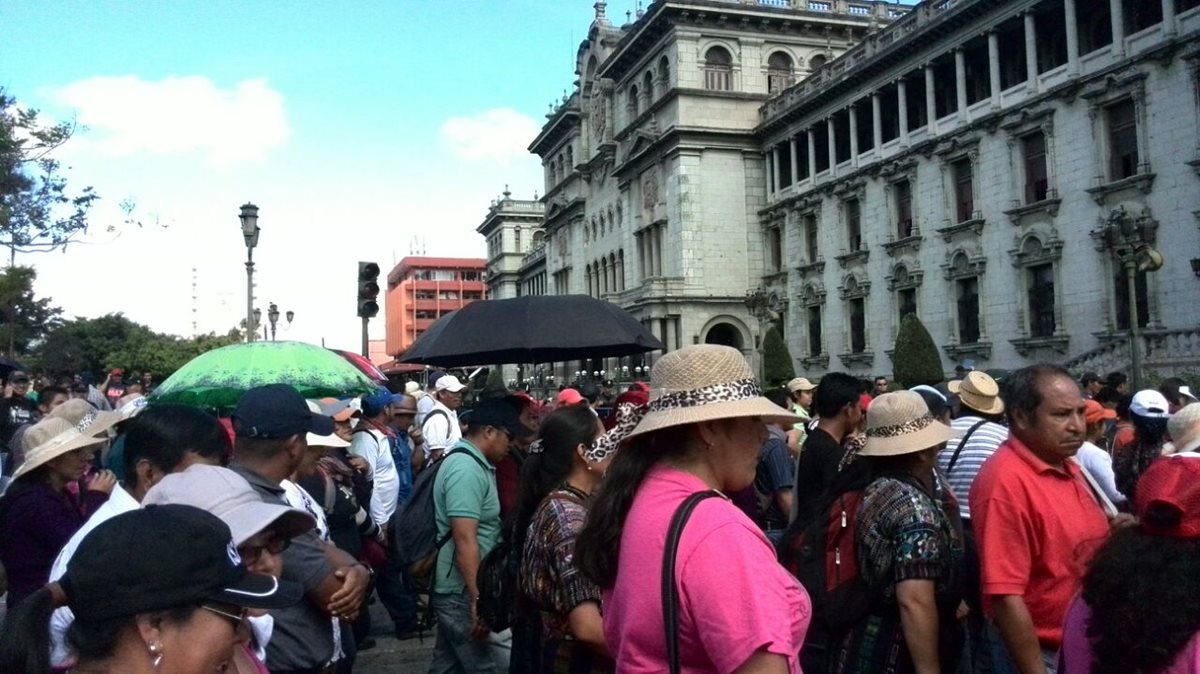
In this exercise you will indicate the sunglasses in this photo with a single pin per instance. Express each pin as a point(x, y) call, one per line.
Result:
point(235, 619)
point(252, 553)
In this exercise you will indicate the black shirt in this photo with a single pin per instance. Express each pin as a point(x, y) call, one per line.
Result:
point(818, 465)
point(15, 411)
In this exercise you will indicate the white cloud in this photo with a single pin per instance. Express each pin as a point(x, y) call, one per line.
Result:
point(177, 115)
point(500, 135)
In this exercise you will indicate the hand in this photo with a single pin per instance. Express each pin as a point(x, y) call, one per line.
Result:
point(963, 611)
point(381, 535)
point(479, 629)
point(1122, 521)
point(417, 436)
point(347, 601)
point(359, 464)
point(104, 481)
point(8, 390)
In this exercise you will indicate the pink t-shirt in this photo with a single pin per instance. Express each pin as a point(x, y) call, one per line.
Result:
point(1076, 654)
point(734, 597)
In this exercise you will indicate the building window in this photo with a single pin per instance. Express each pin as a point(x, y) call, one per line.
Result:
point(967, 291)
point(633, 103)
point(858, 325)
point(779, 72)
point(1041, 300)
point(1095, 28)
point(648, 87)
point(854, 225)
point(1141, 14)
point(906, 301)
point(1037, 182)
point(810, 238)
point(1122, 140)
point(519, 248)
point(1121, 297)
point(902, 191)
point(718, 69)
point(964, 189)
point(664, 75)
point(814, 331)
point(819, 60)
point(775, 248)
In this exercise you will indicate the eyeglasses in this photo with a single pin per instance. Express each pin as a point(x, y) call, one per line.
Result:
point(251, 553)
point(235, 619)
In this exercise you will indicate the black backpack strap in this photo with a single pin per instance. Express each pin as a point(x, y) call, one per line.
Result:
point(963, 443)
point(442, 540)
point(670, 593)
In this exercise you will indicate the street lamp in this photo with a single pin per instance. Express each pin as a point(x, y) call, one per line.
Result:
point(250, 229)
point(255, 321)
point(1130, 239)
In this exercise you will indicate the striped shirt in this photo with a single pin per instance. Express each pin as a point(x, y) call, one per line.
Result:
point(980, 446)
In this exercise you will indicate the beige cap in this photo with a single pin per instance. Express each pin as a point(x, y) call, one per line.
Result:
point(800, 384)
point(978, 391)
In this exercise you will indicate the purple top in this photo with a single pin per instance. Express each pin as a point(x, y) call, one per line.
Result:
point(35, 523)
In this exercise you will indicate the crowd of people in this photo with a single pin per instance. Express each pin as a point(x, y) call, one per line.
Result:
point(694, 523)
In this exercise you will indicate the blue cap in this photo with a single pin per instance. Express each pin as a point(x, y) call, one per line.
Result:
point(373, 403)
point(276, 411)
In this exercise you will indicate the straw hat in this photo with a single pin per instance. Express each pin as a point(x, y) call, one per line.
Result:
point(49, 439)
point(84, 417)
point(978, 391)
point(705, 382)
point(1184, 427)
point(900, 423)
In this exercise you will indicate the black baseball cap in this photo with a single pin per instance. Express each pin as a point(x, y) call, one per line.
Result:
point(17, 376)
point(161, 557)
point(277, 411)
point(499, 413)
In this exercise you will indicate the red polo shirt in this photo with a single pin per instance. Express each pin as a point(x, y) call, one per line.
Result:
point(1037, 527)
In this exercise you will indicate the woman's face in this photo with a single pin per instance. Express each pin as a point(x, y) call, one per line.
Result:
point(72, 465)
point(203, 643)
point(736, 446)
point(598, 467)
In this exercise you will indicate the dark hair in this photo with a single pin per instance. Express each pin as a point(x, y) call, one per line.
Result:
point(1133, 460)
point(1142, 592)
point(1022, 391)
point(779, 397)
point(1124, 402)
point(48, 393)
point(164, 434)
point(1170, 390)
point(590, 392)
point(25, 639)
point(598, 546)
point(835, 391)
point(1088, 378)
point(934, 401)
point(1115, 379)
point(1107, 394)
point(565, 429)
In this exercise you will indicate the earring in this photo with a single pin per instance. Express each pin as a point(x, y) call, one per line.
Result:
point(156, 651)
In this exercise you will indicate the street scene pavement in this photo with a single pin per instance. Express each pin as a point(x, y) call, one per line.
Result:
point(390, 655)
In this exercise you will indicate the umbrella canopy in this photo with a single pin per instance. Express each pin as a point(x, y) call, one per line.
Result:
point(364, 366)
point(217, 379)
point(7, 365)
point(531, 329)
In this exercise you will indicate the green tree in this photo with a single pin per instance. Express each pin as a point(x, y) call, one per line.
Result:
point(916, 357)
point(24, 319)
point(777, 361)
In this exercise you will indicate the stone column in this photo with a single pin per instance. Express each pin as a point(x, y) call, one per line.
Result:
point(853, 135)
point(1168, 22)
point(812, 155)
point(1072, 36)
point(930, 99)
point(877, 121)
point(777, 178)
point(832, 147)
point(770, 165)
point(994, 66)
point(792, 157)
point(1031, 66)
point(960, 81)
point(902, 104)
point(1116, 9)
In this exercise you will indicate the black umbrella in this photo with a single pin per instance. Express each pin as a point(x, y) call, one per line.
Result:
point(7, 365)
point(531, 329)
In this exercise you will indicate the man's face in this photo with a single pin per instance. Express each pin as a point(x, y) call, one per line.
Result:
point(344, 429)
point(881, 385)
point(48, 406)
point(403, 413)
point(1057, 427)
point(20, 387)
point(451, 400)
point(1094, 386)
point(496, 443)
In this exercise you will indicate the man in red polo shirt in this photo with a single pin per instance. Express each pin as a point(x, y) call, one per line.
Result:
point(1037, 520)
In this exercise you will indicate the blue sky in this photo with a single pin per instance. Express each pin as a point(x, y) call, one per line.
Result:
point(355, 127)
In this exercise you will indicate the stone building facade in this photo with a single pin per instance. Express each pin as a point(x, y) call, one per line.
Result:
point(654, 173)
point(512, 228)
point(986, 165)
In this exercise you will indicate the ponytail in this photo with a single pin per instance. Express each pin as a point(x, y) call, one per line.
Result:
point(25, 639)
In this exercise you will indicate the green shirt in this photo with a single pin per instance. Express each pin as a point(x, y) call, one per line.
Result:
point(463, 489)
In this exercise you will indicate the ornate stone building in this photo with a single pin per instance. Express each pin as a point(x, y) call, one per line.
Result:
point(654, 173)
point(988, 165)
point(512, 228)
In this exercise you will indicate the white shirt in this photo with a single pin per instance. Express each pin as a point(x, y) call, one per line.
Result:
point(119, 502)
point(297, 497)
point(424, 403)
point(440, 430)
point(1099, 465)
point(373, 446)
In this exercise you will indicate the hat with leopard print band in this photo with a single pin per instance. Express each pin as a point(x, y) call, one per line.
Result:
point(705, 382)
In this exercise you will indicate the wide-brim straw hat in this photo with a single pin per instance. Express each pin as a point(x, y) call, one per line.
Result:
point(1184, 428)
point(705, 382)
point(900, 423)
point(49, 439)
point(978, 391)
point(84, 417)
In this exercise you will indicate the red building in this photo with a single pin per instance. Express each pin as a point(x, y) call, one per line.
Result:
point(422, 289)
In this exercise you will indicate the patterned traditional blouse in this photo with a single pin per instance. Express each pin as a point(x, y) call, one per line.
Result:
point(549, 577)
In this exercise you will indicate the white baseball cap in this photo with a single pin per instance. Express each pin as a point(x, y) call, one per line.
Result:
point(449, 383)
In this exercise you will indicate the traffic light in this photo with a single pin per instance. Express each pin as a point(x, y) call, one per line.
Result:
point(368, 289)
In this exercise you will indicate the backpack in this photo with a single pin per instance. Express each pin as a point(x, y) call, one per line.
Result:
point(497, 583)
point(823, 555)
point(412, 531)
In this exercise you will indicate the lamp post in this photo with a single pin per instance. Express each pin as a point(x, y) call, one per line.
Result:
point(255, 321)
point(1129, 239)
point(250, 229)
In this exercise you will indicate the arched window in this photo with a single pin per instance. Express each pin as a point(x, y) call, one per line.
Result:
point(780, 72)
point(648, 87)
point(570, 159)
point(664, 75)
point(634, 108)
point(816, 62)
point(718, 69)
point(587, 271)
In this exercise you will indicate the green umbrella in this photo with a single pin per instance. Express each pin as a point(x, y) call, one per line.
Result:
point(217, 379)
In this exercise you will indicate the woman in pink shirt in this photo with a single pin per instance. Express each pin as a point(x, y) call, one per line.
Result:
point(737, 609)
point(1138, 612)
